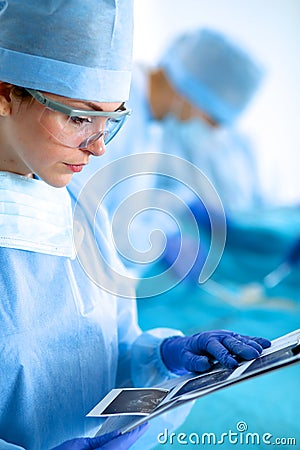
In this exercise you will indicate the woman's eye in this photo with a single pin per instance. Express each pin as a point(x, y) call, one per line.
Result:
point(80, 120)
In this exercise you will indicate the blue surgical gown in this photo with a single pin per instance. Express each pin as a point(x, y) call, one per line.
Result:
point(65, 342)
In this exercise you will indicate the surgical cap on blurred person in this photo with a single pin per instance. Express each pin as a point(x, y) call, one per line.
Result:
point(213, 72)
point(78, 49)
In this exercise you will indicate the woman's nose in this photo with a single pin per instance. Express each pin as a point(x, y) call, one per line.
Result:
point(97, 148)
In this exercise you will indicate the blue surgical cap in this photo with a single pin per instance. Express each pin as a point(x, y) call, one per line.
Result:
point(213, 72)
point(76, 48)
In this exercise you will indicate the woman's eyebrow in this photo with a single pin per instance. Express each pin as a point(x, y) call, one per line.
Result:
point(121, 107)
point(98, 108)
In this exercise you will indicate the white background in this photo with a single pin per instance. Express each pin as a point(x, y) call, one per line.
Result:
point(270, 30)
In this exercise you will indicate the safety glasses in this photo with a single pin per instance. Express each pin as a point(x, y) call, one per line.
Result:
point(78, 128)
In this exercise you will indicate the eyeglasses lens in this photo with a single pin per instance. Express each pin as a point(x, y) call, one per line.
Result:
point(81, 131)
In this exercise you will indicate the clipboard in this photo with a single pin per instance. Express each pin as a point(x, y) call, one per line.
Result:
point(128, 408)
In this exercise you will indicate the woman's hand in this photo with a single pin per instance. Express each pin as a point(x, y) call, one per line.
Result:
point(198, 352)
point(110, 441)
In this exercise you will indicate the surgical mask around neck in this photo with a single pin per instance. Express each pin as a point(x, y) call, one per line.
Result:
point(35, 216)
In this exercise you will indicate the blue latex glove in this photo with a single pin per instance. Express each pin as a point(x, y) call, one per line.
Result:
point(197, 353)
point(109, 441)
point(184, 253)
point(203, 218)
point(189, 264)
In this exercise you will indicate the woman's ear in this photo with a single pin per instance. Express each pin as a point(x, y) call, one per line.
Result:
point(5, 98)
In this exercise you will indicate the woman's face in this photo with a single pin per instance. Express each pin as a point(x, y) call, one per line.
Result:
point(27, 147)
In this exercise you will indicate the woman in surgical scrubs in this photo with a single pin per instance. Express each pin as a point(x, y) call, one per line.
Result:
point(65, 340)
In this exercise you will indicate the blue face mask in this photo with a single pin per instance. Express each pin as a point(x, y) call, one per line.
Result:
point(222, 154)
point(35, 216)
point(186, 138)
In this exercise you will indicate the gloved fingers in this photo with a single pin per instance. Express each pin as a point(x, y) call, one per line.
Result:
point(195, 363)
point(245, 348)
point(98, 441)
point(85, 443)
point(109, 441)
point(264, 343)
point(125, 441)
point(256, 342)
point(221, 354)
point(247, 340)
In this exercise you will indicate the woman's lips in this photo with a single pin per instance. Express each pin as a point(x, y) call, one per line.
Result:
point(75, 167)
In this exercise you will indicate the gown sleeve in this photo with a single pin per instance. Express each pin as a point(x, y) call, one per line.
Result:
point(140, 362)
point(139, 358)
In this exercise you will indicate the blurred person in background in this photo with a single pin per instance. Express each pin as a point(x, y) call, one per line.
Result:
point(188, 106)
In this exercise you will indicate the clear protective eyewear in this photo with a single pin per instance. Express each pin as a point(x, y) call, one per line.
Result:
point(78, 128)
